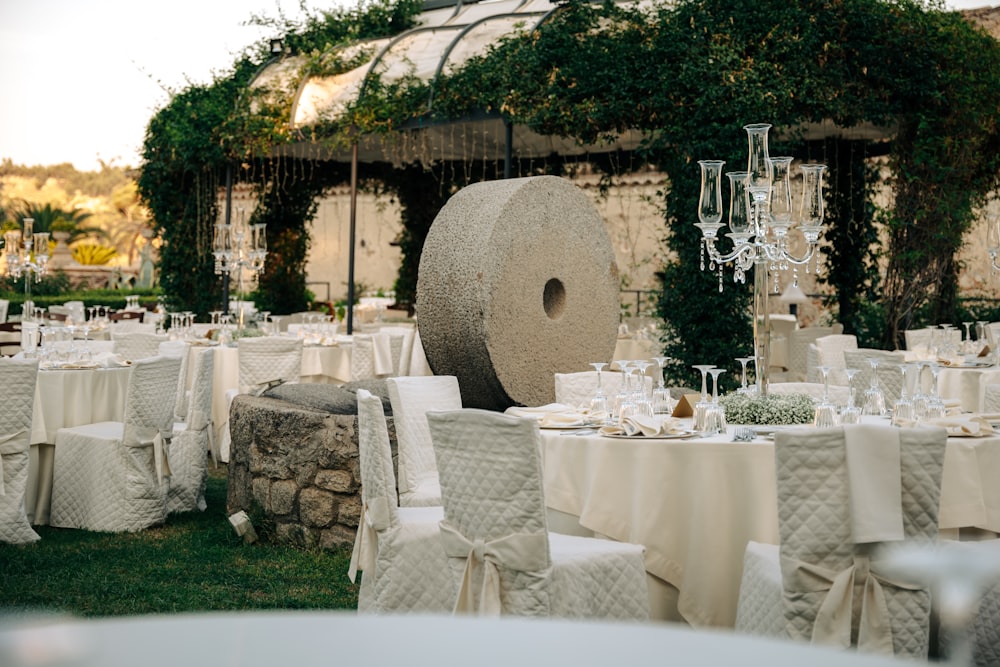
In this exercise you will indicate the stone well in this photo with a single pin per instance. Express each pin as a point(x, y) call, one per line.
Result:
point(297, 467)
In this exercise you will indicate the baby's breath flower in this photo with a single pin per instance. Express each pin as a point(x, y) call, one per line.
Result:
point(773, 409)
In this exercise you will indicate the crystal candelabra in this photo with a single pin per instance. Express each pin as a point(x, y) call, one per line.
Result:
point(239, 248)
point(760, 226)
point(27, 255)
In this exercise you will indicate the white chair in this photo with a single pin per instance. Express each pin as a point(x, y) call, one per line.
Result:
point(830, 352)
point(822, 584)
point(18, 378)
point(914, 338)
point(262, 360)
point(503, 558)
point(135, 345)
point(179, 349)
point(110, 476)
point(401, 344)
point(890, 378)
point(838, 395)
point(4, 308)
point(984, 631)
point(798, 344)
point(991, 399)
point(398, 549)
point(77, 311)
point(576, 389)
point(188, 452)
point(371, 356)
point(411, 397)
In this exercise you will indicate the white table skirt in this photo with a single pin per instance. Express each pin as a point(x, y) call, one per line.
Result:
point(695, 503)
point(64, 399)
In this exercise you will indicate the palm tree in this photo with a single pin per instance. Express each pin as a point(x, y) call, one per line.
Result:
point(49, 218)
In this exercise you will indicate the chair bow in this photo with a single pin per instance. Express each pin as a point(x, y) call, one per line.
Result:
point(3, 440)
point(374, 518)
point(522, 552)
point(834, 618)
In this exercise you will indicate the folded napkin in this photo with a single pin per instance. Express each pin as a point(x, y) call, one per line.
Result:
point(962, 426)
point(642, 426)
point(873, 482)
point(554, 415)
point(110, 360)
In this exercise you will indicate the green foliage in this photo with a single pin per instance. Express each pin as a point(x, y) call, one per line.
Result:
point(687, 75)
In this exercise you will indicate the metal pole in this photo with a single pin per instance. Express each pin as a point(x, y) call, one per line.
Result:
point(350, 256)
point(229, 216)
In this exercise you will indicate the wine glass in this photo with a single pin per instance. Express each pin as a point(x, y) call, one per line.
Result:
point(744, 388)
point(643, 401)
point(662, 403)
point(715, 415)
point(701, 407)
point(599, 402)
point(625, 402)
point(852, 413)
point(935, 404)
point(919, 397)
point(874, 399)
point(825, 415)
point(902, 411)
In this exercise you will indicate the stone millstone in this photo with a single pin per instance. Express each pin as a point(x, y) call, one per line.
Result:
point(517, 282)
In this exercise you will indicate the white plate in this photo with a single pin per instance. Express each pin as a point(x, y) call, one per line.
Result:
point(571, 427)
point(671, 436)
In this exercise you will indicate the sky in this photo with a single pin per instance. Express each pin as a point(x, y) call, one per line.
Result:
point(80, 79)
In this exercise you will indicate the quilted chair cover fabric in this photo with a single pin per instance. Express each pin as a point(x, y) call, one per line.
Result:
point(108, 476)
point(831, 353)
point(890, 379)
point(188, 452)
point(411, 398)
point(914, 337)
point(838, 395)
point(398, 549)
point(136, 345)
point(261, 360)
point(819, 559)
point(268, 358)
point(502, 557)
point(991, 398)
point(179, 348)
point(985, 631)
point(798, 345)
point(401, 337)
point(576, 389)
point(18, 378)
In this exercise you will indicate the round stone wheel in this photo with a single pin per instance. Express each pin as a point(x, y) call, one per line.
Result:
point(517, 282)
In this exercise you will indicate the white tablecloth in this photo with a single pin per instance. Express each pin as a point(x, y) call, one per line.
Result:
point(64, 399)
point(695, 503)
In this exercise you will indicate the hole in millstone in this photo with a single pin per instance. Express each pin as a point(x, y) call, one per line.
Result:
point(554, 298)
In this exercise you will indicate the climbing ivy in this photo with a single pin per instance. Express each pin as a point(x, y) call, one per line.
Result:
point(686, 75)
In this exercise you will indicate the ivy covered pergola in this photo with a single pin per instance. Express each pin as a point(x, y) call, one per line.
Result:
point(610, 83)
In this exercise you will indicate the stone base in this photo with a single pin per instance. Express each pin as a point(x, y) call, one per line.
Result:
point(297, 471)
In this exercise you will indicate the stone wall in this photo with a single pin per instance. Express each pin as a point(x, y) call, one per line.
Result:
point(298, 468)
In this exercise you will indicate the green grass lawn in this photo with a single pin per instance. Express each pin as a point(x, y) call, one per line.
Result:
point(194, 562)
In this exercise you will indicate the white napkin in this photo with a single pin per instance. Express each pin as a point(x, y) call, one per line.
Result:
point(962, 426)
point(642, 426)
point(110, 360)
point(552, 415)
point(874, 484)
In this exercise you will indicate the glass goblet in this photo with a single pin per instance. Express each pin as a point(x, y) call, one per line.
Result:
point(902, 411)
point(874, 399)
point(598, 411)
point(662, 402)
point(701, 407)
point(825, 415)
point(744, 388)
point(852, 413)
point(715, 416)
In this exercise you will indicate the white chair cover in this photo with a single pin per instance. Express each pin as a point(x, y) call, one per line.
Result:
point(188, 452)
point(403, 337)
point(4, 308)
point(261, 360)
point(411, 397)
point(398, 549)
point(838, 395)
point(77, 311)
point(914, 337)
point(834, 592)
point(890, 379)
point(831, 353)
point(991, 399)
point(135, 345)
point(985, 629)
point(179, 349)
point(502, 557)
point(576, 389)
point(798, 345)
point(18, 378)
point(109, 476)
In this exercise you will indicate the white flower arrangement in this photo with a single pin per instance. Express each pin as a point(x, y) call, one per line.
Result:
point(771, 410)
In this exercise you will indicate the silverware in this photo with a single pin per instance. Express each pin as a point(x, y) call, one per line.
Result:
point(744, 434)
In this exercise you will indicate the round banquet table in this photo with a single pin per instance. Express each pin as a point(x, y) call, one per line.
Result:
point(695, 503)
point(65, 398)
point(263, 639)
